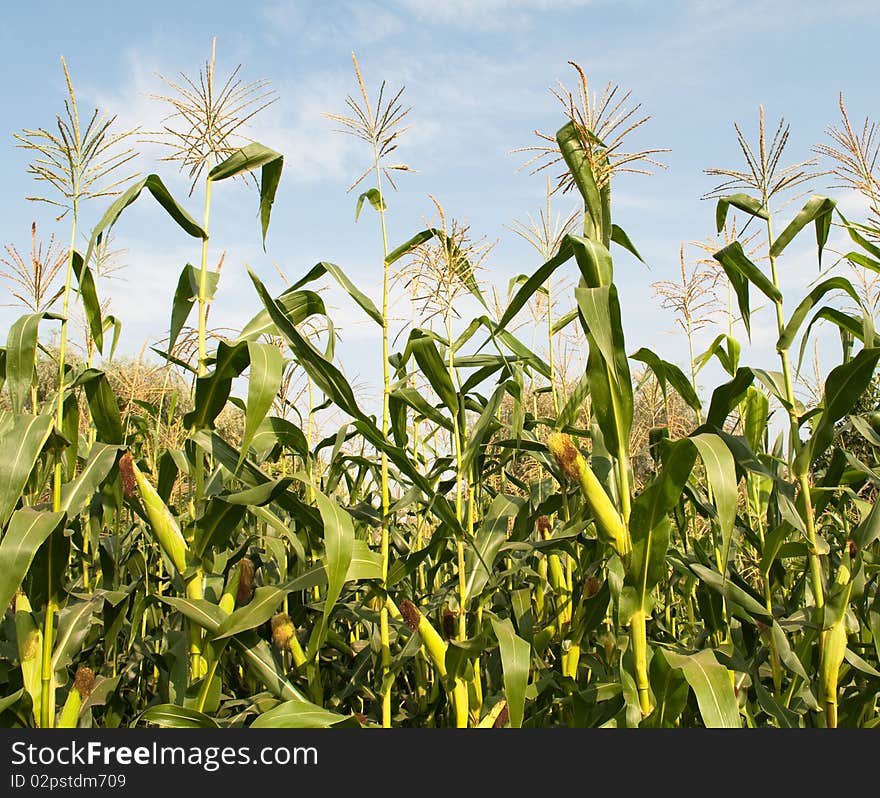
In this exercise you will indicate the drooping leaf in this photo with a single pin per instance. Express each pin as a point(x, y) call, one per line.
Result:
point(156, 187)
point(741, 272)
point(817, 209)
point(246, 159)
point(665, 372)
point(742, 202)
point(788, 334)
point(350, 288)
point(374, 197)
point(91, 304)
point(185, 296)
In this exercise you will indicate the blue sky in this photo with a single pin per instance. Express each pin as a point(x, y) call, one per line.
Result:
point(477, 75)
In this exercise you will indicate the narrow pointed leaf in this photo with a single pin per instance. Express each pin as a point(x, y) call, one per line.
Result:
point(515, 660)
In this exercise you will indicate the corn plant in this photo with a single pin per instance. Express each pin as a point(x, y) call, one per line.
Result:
point(507, 542)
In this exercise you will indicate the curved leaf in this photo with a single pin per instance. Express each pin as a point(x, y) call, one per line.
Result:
point(810, 301)
point(246, 159)
point(817, 209)
point(297, 714)
point(156, 187)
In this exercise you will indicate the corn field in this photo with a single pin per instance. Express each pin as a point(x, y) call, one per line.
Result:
point(535, 526)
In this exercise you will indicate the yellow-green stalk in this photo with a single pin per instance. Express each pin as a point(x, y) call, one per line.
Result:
point(834, 646)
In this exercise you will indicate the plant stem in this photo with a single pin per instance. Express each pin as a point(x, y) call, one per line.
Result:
point(385, 641)
point(794, 443)
point(203, 285)
point(46, 696)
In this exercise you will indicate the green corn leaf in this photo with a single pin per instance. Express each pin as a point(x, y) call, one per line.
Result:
point(414, 399)
point(350, 288)
point(365, 564)
point(742, 202)
point(488, 539)
point(185, 295)
point(727, 396)
point(721, 476)
point(665, 372)
point(247, 159)
point(729, 357)
point(212, 390)
point(578, 162)
point(843, 388)
point(575, 402)
point(27, 531)
point(434, 369)
point(297, 306)
point(91, 304)
point(374, 197)
point(710, 682)
point(849, 326)
point(649, 519)
point(103, 406)
point(297, 714)
point(812, 299)
point(156, 187)
point(20, 444)
point(515, 660)
point(338, 548)
point(285, 433)
point(264, 383)
point(618, 236)
point(670, 690)
point(255, 613)
point(262, 664)
point(817, 209)
point(483, 428)
point(325, 375)
point(200, 611)
point(21, 354)
point(78, 492)
point(170, 716)
point(74, 622)
point(594, 304)
point(535, 283)
point(741, 272)
point(218, 523)
point(593, 260)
